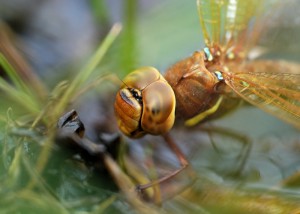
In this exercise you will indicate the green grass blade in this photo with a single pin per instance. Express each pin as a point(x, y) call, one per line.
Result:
point(88, 70)
point(24, 99)
point(13, 75)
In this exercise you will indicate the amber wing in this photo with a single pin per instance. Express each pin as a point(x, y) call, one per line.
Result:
point(233, 23)
point(276, 92)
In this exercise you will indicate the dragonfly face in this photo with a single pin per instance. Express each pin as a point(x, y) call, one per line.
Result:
point(145, 104)
point(218, 73)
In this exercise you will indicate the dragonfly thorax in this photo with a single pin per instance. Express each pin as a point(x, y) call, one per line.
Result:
point(193, 81)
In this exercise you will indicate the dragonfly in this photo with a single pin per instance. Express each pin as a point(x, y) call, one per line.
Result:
point(206, 83)
point(214, 80)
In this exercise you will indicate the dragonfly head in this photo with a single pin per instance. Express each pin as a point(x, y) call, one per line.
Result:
point(145, 104)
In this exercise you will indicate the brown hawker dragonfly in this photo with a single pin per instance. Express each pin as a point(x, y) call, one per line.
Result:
point(212, 81)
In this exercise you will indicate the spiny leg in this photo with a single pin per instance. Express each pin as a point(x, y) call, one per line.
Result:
point(180, 156)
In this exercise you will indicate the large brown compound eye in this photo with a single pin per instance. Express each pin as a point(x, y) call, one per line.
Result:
point(128, 110)
point(150, 108)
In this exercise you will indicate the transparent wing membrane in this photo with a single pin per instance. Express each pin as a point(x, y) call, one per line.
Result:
point(233, 23)
point(236, 26)
point(273, 91)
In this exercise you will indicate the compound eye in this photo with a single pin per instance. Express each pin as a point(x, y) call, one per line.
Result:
point(128, 111)
point(159, 108)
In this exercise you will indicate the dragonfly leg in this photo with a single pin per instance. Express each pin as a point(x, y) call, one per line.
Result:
point(181, 158)
point(239, 138)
